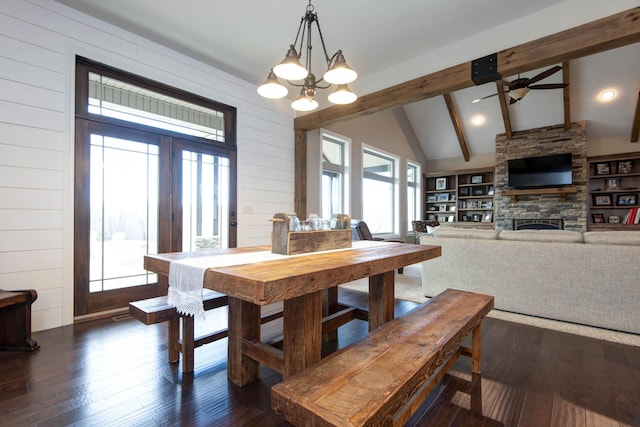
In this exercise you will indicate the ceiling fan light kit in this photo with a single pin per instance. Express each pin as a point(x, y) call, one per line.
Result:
point(290, 69)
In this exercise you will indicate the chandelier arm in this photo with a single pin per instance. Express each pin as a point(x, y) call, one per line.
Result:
point(298, 34)
point(324, 48)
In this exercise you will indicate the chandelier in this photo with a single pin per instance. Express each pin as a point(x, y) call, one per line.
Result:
point(338, 72)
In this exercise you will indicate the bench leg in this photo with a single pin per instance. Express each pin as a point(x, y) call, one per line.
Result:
point(187, 343)
point(174, 337)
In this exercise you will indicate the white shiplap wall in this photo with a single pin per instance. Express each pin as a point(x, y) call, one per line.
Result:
point(38, 43)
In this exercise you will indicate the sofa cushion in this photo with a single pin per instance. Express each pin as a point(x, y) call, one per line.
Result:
point(466, 233)
point(542, 236)
point(613, 237)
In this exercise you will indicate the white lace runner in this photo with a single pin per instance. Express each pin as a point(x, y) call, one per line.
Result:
point(186, 275)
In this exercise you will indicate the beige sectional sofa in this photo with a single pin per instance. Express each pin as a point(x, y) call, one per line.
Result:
point(590, 278)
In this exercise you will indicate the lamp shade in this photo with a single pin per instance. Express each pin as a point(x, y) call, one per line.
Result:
point(304, 103)
point(342, 95)
point(340, 73)
point(271, 88)
point(290, 68)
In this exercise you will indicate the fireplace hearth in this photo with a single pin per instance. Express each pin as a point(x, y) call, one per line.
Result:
point(538, 224)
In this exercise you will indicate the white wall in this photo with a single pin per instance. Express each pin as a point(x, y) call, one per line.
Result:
point(40, 39)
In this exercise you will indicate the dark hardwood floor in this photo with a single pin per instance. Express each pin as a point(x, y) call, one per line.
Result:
point(115, 373)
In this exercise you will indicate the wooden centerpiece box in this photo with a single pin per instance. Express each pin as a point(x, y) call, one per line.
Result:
point(286, 239)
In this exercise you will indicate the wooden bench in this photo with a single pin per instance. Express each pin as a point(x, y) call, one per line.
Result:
point(15, 320)
point(156, 310)
point(384, 378)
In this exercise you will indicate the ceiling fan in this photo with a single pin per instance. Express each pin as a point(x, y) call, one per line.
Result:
point(519, 87)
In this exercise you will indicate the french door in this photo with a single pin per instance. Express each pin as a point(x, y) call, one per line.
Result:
point(140, 192)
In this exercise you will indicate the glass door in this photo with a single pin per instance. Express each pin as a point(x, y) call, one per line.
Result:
point(140, 193)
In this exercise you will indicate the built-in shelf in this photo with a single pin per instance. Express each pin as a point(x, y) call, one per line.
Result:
point(560, 191)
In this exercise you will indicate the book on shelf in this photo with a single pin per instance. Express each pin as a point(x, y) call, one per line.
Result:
point(632, 217)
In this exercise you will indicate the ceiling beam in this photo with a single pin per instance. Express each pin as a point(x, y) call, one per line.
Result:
point(635, 129)
point(603, 34)
point(565, 95)
point(504, 108)
point(455, 120)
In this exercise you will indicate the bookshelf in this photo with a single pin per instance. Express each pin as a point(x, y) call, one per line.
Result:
point(614, 188)
point(465, 198)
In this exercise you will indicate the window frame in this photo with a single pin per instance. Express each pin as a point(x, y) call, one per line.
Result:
point(342, 169)
point(393, 180)
point(414, 187)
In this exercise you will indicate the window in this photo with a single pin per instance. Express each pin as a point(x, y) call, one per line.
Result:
point(380, 192)
point(155, 172)
point(413, 194)
point(335, 176)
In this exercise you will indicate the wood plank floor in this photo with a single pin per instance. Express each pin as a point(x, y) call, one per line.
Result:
point(115, 373)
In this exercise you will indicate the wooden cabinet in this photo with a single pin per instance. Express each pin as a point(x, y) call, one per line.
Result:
point(614, 188)
point(465, 198)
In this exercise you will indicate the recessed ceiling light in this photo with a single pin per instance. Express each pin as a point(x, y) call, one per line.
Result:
point(607, 95)
point(478, 120)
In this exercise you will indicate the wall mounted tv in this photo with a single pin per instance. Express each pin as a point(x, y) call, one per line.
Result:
point(539, 172)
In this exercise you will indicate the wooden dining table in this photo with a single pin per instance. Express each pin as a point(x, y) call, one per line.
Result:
point(299, 282)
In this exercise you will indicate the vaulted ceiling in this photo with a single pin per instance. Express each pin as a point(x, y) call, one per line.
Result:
point(391, 43)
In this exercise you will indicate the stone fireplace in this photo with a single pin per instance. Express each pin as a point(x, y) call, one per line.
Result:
point(572, 212)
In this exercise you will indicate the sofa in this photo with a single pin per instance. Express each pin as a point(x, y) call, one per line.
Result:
point(589, 278)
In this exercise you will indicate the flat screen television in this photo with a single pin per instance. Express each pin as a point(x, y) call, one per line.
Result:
point(539, 172)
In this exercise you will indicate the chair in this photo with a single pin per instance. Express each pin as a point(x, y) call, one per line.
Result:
point(363, 233)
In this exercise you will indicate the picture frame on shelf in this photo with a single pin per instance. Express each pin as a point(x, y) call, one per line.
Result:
point(490, 191)
point(625, 166)
point(612, 184)
point(464, 191)
point(465, 218)
point(431, 217)
point(431, 198)
point(597, 218)
point(487, 217)
point(602, 168)
point(478, 191)
point(627, 200)
point(602, 200)
point(614, 219)
point(476, 179)
point(432, 208)
point(442, 197)
point(476, 217)
point(441, 183)
point(443, 208)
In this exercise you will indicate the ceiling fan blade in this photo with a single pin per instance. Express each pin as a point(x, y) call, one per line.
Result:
point(550, 86)
point(483, 98)
point(544, 74)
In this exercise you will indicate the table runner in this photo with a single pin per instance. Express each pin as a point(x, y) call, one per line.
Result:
point(186, 275)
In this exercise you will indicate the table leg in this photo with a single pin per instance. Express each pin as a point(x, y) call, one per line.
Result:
point(329, 306)
point(302, 332)
point(381, 299)
point(244, 322)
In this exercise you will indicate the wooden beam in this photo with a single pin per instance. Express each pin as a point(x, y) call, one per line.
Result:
point(455, 120)
point(504, 108)
point(300, 174)
point(566, 97)
point(635, 129)
point(603, 34)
